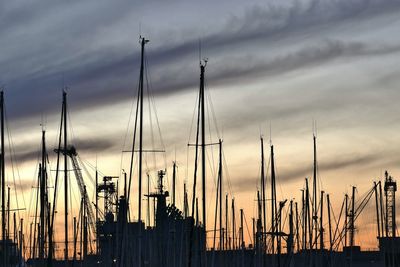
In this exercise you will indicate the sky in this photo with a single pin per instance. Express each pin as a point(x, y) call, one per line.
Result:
point(273, 68)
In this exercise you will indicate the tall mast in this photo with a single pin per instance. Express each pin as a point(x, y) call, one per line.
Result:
point(352, 218)
point(273, 198)
point(307, 203)
point(220, 196)
point(314, 196)
point(43, 204)
point(51, 227)
point(97, 207)
point(3, 193)
point(297, 228)
point(227, 241)
point(346, 219)
point(173, 183)
point(142, 42)
point(329, 222)
point(65, 176)
point(264, 224)
point(303, 221)
point(203, 147)
point(321, 229)
point(233, 225)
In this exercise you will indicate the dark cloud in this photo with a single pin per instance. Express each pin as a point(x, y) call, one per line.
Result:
point(353, 161)
point(108, 75)
point(298, 173)
point(85, 146)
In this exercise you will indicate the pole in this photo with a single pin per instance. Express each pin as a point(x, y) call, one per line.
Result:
point(263, 198)
point(220, 196)
point(297, 228)
point(314, 196)
point(21, 239)
point(65, 178)
point(203, 149)
point(143, 42)
point(97, 210)
point(173, 183)
point(30, 241)
point(75, 237)
point(8, 213)
point(321, 226)
point(307, 200)
point(43, 205)
point(242, 244)
point(226, 223)
point(303, 221)
point(352, 230)
point(273, 197)
point(329, 222)
point(233, 224)
point(2, 159)
point(346, 217)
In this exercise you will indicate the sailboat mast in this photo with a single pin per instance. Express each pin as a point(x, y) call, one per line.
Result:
point(143, 41)
point(65, 176)
point(264, 224)
point(203, 147)
point(220, 196)
point(321, 228)
point(43, 205)
point(3, 178)
point(233, 225)
point(329, 222)
point(273, 198)
point(173, 183)
point(3, 193)
point(314, 196)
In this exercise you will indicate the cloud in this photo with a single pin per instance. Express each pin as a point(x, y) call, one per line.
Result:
point(104, 75)
point(86, 146)
point(353, 161)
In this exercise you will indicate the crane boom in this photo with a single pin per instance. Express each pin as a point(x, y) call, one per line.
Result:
point(71, 152)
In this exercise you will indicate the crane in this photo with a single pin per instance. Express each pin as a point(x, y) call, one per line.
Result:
point(72, 153)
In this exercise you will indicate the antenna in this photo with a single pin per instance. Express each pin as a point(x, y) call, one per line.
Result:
point(270, 133)
point(314, 127)
point(200, 50)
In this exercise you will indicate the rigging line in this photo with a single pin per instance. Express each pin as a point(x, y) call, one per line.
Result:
point(227, 175)
point(93, 167)
point(213, 114)
point(133, 145)
point(36, 215)
point(214, 173)
point(127, 130)
point(57, 172)
point(150, 114)
point(247, 227)
point(12, 159)
point(196, 154)
point(93, 184)
point(88, 175)
point(209, 124)
point(153, 105)
point(152, 98)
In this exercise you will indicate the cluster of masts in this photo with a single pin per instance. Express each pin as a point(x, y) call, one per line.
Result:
point(305, 230)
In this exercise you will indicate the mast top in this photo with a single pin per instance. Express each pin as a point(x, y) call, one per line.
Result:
point(143, 40)
point(203, 62)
